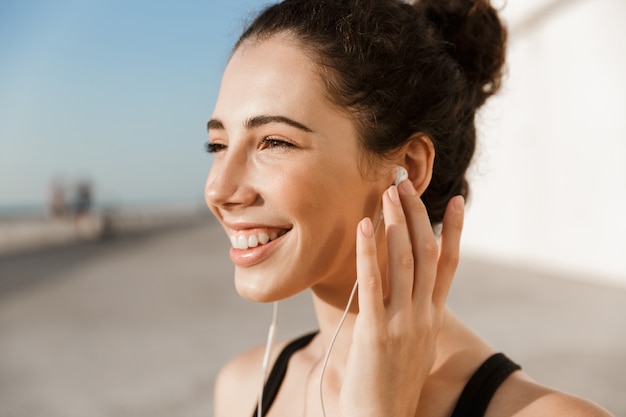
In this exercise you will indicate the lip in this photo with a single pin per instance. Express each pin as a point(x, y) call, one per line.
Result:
point(245, 258)
point(241, 226)
point(252, 256)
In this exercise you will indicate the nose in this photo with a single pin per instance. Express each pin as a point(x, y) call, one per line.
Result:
point(228, 185)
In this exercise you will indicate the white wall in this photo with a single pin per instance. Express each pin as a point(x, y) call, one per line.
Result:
point(549, 181)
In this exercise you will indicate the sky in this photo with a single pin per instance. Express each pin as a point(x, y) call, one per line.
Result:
point(114, 91)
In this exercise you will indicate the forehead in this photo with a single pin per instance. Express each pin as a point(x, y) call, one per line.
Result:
point(274, 73)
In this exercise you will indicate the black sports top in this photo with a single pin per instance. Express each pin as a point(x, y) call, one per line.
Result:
point(473, 401)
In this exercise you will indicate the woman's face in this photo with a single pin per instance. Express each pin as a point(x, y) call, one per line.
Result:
point(286, 182)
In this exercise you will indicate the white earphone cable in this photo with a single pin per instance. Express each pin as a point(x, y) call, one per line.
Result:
point(271, 336)
point(332, 343)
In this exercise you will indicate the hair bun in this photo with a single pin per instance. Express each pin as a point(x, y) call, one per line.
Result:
point(476, 40)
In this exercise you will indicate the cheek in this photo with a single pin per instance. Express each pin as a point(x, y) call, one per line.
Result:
point(327, 204)
point(314, 189)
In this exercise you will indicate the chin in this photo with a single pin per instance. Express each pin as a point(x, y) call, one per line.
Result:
point(261, 288)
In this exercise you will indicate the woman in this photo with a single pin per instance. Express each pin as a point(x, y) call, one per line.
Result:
point(319, 103)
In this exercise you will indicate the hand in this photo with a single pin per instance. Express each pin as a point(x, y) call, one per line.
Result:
point(394, 341)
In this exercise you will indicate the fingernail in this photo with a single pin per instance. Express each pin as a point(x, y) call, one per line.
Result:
point(366, 227)
point(392, 192)
point(459, 202)
point(407, 188)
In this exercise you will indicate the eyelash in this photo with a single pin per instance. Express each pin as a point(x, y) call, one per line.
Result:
point(271, 142)
point(268, 142)
point(214, 147)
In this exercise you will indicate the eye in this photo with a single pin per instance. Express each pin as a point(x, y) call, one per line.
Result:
point(270, 142)
point(214, 147)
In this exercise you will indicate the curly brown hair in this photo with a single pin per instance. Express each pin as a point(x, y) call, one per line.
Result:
point(402, 69)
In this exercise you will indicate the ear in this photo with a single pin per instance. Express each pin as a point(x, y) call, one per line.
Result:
point(419, 159)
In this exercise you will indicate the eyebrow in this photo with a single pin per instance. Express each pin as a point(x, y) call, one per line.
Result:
point(258, 121)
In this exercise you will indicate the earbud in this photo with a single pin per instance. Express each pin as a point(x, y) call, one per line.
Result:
point(401, 175)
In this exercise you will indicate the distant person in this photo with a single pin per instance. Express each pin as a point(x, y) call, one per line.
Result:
point(83, 199)
point(318, 105)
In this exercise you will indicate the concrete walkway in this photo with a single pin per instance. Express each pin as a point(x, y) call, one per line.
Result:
point(138, 326)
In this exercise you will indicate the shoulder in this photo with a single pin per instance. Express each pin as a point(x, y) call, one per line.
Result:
point(236, 384)
point(238, 381)
point(519, 396)
point(560, 404)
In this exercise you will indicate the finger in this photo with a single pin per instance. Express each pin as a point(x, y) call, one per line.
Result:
point(450, 244)
point(367, 270)
point(400, 260)
point(425, 247)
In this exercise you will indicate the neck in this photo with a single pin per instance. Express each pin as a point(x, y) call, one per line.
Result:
point(334, 333)
point(331, 302)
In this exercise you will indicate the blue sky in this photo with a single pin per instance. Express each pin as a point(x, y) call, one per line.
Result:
point(116, 91)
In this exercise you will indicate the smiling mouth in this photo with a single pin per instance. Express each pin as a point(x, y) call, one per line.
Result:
point(243, 241)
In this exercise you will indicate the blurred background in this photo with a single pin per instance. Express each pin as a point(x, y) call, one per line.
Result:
point(116, 295)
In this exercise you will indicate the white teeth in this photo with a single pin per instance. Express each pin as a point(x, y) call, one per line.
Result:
point(242, 241)
point(253, 241)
